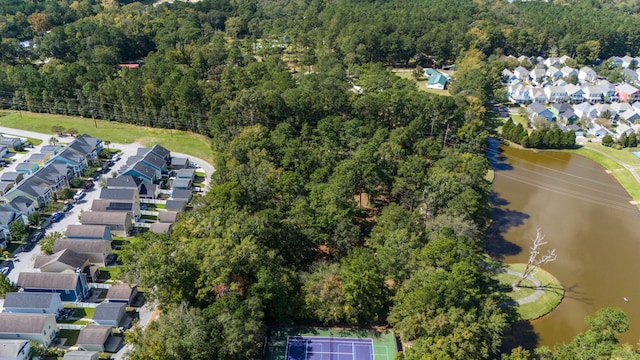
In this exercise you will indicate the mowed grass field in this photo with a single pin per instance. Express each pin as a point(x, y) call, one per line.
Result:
point(174, 140)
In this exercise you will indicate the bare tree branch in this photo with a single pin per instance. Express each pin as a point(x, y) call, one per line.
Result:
point(535, 259)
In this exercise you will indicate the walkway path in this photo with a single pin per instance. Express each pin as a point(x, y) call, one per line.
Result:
point(527, 299)
point(632, 169)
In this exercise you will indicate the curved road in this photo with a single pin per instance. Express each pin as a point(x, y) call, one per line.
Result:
point(527, 299)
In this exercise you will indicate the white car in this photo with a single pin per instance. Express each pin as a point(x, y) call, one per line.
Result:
point(78, 195)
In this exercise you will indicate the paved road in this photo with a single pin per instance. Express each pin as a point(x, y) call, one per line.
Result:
point(525, 300)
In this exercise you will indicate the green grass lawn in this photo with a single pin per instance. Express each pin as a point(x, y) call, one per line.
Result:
point(550, 299)
point(83, 312)
point(109, 273)
point(421, 84)
point(71, 336)
point(174, 140)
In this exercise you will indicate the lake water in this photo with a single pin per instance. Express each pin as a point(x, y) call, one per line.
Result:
point(587, 217)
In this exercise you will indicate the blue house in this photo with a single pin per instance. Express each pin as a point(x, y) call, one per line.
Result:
point(71, 287)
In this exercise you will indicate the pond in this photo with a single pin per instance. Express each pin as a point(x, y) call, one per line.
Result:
point(587, 217)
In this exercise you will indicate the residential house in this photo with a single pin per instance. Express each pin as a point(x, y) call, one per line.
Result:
point(144, 172)
point(630, 116)
point(620, 107)
point(39, 158)
point(182, 184)
point(563, 113)
point(537, 95)
point(97, 250)
point(585, 110)
point(110, 314)
point(564, 58)
point(604, 111)
point(81, 355)
point(178, 163)
point(119, 194)
point(554, 73)
point(71, 287)
point(54, 175)
point(5, 186)
point(87, 146)
point(616, 61)
point(507, 77)
point(12, 176)
point(538, 75)
point(524, 59)
point(149, 191)
point(627, 93)
point(598, 131)
point(186, 174)
point(438, 82)
point(627, 61)
point(122, 293)
point(14, 349)
point(521, 73)
point(185, 195)
point(120, 223)
point(519, 93)
point(556, 94)
point(32, 303)
point(64, 261)
point(623, 129)
point(609, 90)
point(93, 337)
point(22, 206)
point(70, 157)
point(13, 143)
point(41, 328)
point(538, 110)
point(88, 232)
point(124, 182)
point(129, 206)
point(40, 195)
point(4, 151)
point(50, 149)
point(166, 154)
point(568, 72)
point(630, 75)
point(27, 168)
point(7, 217)
point(551, 61)
point(160, 228)
point(175, 205)
point(575, 93)
point(587, 74)
point(167, 216)
point(593, 94)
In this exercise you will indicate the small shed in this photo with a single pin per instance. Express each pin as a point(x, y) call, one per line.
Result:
point(110, 314)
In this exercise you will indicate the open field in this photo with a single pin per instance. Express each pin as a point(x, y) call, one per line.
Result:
point(174, 140)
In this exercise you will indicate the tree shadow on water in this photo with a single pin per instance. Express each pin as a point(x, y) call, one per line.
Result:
point(503, 220)
point(519, 334)
point(498, 161)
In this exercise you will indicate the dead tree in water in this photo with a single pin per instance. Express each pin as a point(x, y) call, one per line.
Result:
point(535, 259)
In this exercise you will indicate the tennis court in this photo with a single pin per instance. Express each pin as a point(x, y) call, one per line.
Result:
point(322, 348)
point(329, 344)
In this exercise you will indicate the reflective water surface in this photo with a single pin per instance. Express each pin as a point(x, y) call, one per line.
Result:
point(586, 215)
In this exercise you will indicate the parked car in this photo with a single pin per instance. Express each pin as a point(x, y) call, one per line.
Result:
point(78, 195)
point(115, 157)
point(37, 235)
point(67, 206)
point(88, 184)
point(57, 216)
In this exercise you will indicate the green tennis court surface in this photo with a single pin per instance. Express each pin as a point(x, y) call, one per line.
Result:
point(279, 341)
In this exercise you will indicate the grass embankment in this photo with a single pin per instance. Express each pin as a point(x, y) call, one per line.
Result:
point(624, 177)
point(174, 140)
point(551, 297)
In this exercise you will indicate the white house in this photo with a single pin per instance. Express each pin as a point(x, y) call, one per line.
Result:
point(598, 131)
point(587, 74)
point(41, 328)
point(585, 110)
point(14, 349)
point(32, 303)
point(521, 73)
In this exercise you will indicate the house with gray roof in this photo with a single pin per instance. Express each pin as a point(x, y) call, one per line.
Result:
point(587, 74)
point(97, 250)
point(54, 175)
point(14, 349)
point(160, 228)
point(148, 191)
point(178, 163)
point(119, 194)
point(32, 303)
point(186, 174)
point(71, 287)
point(120, 223)
point(538, 110)
point(7, 217)
point(122, 293)
point(110, 314)
point(167, 216)
point(93, 337)
point(40, 195)
point(123, 182)
point(5, 186)
point(27, 168)
point(178, 194)
point(12, 176)
point(23, 206)
point(162, 152)
point(41, 328)
point(88, 232)
point(71, 158)
point(3, 151)
point(175, 205)
point(563, 112)
point(155, 161)
point(129, 206)
point(182, 184)
point(50, 149)
point(144, 172)
point(12, 143)
point(39, 158)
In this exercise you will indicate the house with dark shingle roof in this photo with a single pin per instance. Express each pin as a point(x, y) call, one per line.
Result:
point(97, 250)
point(538, 110)
point(122, 293)
point(39, 194)
point(181, 184)
point(41, 328)
point(110, 314)
point(178, 194)
point(73, 159)
point(62, 261)
point(71, 287)
point(32, 303)
point(27, 168)
point(160, 228)
point(54, 175)
point(12, 143)
point(12, 176)
point(7, 217)
point(14, 349)
point(88, 232)
point(167, 216)
point(93, 337)
point(131, 207)
point(119, 194)
point(162, 152)
point(144, 172)
point(50, 149)
point(175, 205)
point(178, 163)
point(5, 186)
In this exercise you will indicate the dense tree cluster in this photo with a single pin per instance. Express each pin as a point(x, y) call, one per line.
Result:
point(545, 138)
point(359, 212)
point(62, 56)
